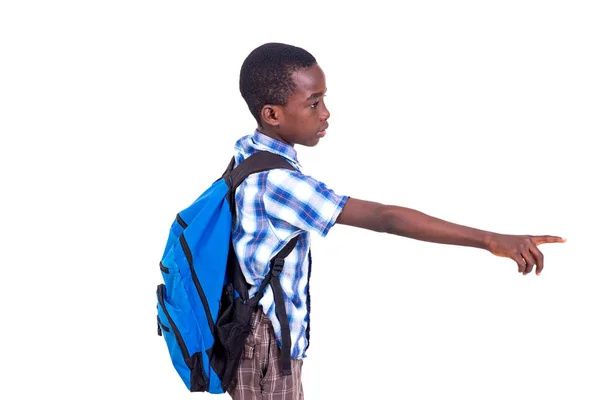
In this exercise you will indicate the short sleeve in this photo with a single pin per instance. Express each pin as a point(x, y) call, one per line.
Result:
point(302, 201)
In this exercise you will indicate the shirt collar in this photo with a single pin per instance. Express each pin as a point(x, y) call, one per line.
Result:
point(264, 142)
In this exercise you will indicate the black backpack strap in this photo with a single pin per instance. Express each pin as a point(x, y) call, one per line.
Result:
point(286, 339)
point(259, 162)
point(229, 167)
point(277, 264)
point(279, 259)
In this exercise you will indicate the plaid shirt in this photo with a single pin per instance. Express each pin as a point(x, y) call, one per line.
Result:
point(272, 208)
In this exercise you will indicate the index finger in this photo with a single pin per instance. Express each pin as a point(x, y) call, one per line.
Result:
point(547, 239)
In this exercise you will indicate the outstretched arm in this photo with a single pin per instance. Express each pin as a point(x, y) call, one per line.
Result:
point(414, 224)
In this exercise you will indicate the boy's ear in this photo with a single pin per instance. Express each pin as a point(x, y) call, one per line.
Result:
point(270, 115)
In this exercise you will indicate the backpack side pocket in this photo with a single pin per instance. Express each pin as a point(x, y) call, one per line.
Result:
point(178, 326)
point(232, 329)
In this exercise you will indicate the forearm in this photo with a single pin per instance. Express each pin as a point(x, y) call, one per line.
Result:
point(414, 224)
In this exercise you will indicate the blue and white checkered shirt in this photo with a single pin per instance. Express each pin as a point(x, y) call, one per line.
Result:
point(272, 208)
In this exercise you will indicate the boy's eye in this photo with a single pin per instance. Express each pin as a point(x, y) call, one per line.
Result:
point(316, 103)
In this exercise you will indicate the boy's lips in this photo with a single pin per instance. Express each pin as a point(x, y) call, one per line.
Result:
point(323, 132)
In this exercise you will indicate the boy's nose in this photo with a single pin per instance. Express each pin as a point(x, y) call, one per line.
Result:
point(325, 115)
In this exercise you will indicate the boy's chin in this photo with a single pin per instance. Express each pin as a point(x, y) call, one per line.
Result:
point(311, 143)
point(314, 140)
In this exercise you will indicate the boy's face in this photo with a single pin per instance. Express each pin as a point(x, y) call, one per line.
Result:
point(303, 119)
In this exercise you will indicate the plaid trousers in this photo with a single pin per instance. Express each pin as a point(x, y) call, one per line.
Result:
point(259, 376)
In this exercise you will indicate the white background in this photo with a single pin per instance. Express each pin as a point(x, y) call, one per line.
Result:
point(114, 115)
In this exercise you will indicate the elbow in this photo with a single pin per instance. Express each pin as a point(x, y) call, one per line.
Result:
point(387, 219)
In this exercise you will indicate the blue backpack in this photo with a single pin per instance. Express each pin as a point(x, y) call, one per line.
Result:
point(204, 311)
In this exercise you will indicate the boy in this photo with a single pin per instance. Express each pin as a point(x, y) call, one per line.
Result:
point(284, 88)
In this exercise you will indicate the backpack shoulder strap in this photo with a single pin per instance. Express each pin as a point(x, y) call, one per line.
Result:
point(229, 168)
point(257, 162)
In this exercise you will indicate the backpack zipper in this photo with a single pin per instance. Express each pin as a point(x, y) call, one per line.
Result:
point(188, 255)
point(161, 327)
point(163, 268)
point(178, 337)
point(181, 221)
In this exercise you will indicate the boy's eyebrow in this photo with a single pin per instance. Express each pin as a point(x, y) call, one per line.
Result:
point(315, 95)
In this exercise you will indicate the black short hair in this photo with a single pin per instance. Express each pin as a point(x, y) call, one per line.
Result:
point(266, 75)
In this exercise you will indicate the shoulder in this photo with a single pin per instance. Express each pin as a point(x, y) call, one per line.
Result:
point(304, 190)
point(243, 149)
point(286, 178)
point(301, 200)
